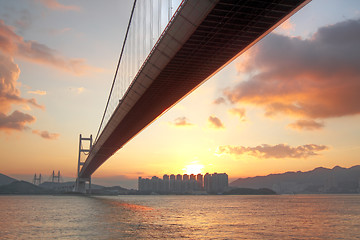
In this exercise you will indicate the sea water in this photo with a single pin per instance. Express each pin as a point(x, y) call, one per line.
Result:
point(188, 217)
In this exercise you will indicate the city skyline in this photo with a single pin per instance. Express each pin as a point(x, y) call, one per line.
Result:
point(215, 183)
point(277, 108)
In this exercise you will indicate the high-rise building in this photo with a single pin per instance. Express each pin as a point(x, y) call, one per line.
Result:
point(192, 183)
point(207, 182)
point(214, 185)
point(144, 185)
point(178, 183)
point(172, 183)
point(166, 183)
point(156, 184)
point(223, 182)
point(218, 182)
point(211, 183)
point(185, 183)
point(140, 184)
point(199, 180)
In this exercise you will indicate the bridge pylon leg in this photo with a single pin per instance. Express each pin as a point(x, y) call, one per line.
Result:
point(80, 184)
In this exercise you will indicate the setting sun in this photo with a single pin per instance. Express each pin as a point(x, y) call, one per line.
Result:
point(193, 169)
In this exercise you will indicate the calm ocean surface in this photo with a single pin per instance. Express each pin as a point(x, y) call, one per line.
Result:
point(189, 217)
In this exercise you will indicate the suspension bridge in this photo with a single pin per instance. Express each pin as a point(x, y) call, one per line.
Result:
point(170, 48)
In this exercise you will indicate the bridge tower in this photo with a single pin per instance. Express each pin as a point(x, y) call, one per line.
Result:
point(37, 180)
point(55, 178)
point(80, 185)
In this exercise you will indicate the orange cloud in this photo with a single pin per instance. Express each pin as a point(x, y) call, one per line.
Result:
point(14, 45)
point(287, 25)
point(38, 92)
point(286, 28)
point(55, 5)
point(306, 124)
point(312, 78)
point(9, 93)
point(16, 121)
point(273, 151)
point(46, 134)
point(215, 122)
point(77, 90)
point(219, 100)
point(240, 112)
point(182, 121)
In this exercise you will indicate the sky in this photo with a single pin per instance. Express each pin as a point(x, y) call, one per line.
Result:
point(290, 103)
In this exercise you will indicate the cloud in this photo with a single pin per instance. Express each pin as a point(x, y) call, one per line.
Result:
point(46, 134)
point(14, 45)
point(240, 112)
point(215, 122)
point(285, 28)
point(24, 21)
point(219, 100)
point(55, 5)
point(60, 31)
point(182, 121)
point(314, 78)
point(9, 93)
point(77, 90)
point(273, 151)
point(38, 92)
point(306, 124)
point(16, 121)
point(287, 25)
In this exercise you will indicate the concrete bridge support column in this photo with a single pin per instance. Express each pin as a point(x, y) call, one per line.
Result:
point(80, 185)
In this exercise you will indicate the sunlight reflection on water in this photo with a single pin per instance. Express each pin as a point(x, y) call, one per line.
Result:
point(192, 217)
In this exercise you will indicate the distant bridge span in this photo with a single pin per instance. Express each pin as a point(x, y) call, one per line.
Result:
point(202, 38)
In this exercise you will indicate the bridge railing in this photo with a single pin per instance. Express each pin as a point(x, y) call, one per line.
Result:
point(149, 19)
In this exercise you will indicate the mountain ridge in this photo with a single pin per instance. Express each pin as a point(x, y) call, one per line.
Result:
point(10, 185)
point(22, 187)
point(4, 180)
point(318, 180)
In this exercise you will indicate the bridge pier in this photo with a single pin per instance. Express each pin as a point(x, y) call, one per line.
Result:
point(80, 185)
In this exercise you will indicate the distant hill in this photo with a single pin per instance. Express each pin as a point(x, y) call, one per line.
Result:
point(319, 180)
point(65, 186)
point(6, 179)
point(10, 185)
point(115, 190)
point(58, 187)
point(249, 191)
point(22, 187)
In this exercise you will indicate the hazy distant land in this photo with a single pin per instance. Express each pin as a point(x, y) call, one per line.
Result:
point(318, 181)
point(24, 188)
point(6, 179)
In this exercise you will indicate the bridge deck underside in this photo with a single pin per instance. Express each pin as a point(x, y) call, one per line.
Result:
point(228, 29)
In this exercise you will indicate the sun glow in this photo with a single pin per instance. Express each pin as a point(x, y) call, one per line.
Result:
point(193, 169)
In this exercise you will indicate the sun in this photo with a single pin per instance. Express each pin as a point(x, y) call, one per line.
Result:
point(193, 169)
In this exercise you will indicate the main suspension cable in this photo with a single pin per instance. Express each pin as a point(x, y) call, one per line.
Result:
point(117, 69)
